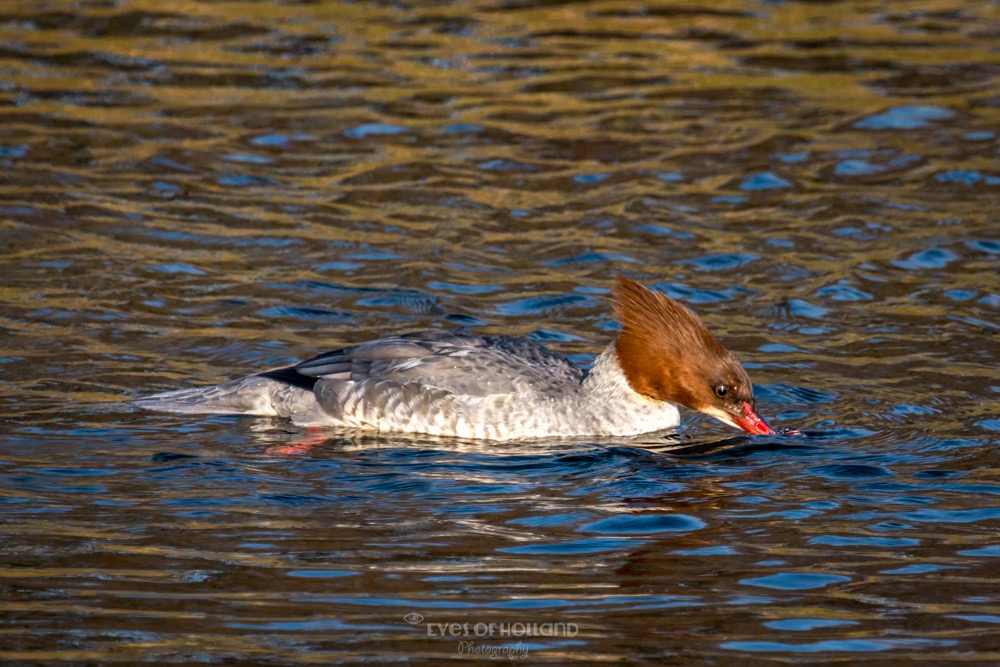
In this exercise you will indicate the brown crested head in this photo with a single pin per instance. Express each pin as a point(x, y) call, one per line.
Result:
point(667, 354)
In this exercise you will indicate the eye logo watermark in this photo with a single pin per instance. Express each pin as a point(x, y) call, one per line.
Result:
point(467, 632)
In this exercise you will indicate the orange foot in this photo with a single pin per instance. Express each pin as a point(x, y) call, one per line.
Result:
point(315, 438)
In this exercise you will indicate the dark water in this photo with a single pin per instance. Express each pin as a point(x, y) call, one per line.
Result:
point(190, 192)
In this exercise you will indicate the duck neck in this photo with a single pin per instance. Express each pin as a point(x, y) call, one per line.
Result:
point(606, 379)
point(615, 407)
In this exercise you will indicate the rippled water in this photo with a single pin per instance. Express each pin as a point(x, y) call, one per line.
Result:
point(192, 192)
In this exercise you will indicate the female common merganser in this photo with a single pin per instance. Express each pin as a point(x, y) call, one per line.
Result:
point(503, 387)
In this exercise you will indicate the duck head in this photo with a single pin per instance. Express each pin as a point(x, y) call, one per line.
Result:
point(667, 354)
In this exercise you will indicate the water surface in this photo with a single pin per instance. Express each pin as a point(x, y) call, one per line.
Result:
point(190, 193)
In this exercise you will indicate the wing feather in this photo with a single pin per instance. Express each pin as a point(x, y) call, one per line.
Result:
point(454, 362)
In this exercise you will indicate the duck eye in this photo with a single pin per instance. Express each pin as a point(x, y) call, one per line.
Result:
point(721, 390)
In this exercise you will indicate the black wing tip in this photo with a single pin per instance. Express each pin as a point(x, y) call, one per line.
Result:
point(289, 375)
